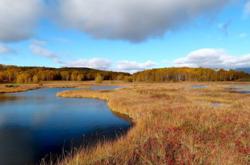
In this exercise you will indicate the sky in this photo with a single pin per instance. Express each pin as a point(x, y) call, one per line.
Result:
point(125, 35)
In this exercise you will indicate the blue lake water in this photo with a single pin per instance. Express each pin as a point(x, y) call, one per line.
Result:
point(244, 89)
point(199, 86)
point(96, 88)
point(36, 123)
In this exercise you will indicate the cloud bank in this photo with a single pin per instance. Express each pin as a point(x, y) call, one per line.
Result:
point(133, 66)
point(18, 19)
point(105, 64)
point(133, 20)
point(213, 58)
point(96, 63)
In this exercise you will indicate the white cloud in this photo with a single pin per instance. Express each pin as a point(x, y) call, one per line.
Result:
point(213, 58)
point(133, 66)
point(5, 49)
point(133, 20)
point(18, 18)
point(38, 48)
point(105, 64)
point(247, 8)
point(96, 63)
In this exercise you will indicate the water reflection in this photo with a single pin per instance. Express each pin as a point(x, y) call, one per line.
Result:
point(95, 88)
point(199, 86)
point(244, 89)
point(8, 98)
point(36, 123)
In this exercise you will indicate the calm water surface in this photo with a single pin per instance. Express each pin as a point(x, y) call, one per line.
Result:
point(36, 123)
point(96, 88)
point(199, 86)
point(244, 89)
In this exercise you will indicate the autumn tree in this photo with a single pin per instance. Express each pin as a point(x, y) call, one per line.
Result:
point(80, 77)
point(98, 78)
point(24, 78)
point(2, 77)
point(74, 76)
point(65, 75)
point(35, 79)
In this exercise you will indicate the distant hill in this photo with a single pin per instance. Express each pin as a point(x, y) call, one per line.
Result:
point(246, 70)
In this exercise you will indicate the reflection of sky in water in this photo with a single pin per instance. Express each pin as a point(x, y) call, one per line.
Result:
point(46, 122)
point(199, 86)
point(105, 87)
point(241, 89)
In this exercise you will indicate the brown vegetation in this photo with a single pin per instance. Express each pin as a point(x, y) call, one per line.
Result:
point(190, 74)
point(14, 74)
point(174, 124)
point(10, 88)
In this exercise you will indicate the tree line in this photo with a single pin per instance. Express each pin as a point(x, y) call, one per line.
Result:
point(190, 74)
point(14, 74)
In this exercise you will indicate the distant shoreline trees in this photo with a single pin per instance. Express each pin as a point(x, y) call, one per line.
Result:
point(190, 74)
point(14, 74)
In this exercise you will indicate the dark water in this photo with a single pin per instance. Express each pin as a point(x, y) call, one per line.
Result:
point(96, 88)
point(36, 123)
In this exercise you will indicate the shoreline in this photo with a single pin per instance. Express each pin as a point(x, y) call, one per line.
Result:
point(66, 94)
point(15, 88)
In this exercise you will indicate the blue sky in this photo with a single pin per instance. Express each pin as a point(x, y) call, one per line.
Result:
point(215, 36)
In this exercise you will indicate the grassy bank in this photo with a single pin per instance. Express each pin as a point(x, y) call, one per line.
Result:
point(15, 87)
point(174, 124)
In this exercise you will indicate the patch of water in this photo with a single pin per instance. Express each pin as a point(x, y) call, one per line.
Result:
point(36, 123)
point(199, 86)
point(97, 88)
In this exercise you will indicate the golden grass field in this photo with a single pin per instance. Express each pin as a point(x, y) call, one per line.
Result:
point(173, 124)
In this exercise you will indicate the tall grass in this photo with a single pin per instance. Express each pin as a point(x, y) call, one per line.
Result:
point(174, 124)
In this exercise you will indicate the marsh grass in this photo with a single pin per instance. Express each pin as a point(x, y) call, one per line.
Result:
point(172, 126)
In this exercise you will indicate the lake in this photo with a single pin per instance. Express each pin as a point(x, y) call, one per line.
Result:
point(36, 124)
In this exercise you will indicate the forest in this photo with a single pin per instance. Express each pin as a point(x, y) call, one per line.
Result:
point(190, 74)
point(15, 74)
